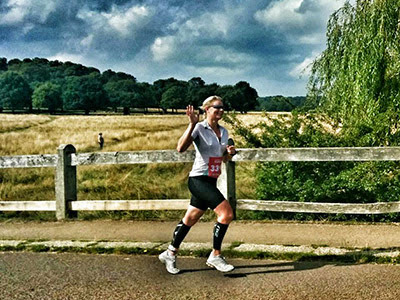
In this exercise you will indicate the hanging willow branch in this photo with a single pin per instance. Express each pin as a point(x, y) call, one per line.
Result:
point(356, 80)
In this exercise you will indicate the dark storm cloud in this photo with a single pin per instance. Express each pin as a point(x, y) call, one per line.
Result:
point(266, 42)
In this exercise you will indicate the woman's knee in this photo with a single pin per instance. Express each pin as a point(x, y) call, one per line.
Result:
point(189, 220)
point(225, 218)
point(224, 212)
point(192, 216)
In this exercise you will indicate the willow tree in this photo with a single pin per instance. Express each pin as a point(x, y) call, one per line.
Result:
point(356, 83)
point(356, 80)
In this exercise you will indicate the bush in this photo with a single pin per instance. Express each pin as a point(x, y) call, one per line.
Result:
point(334, 182)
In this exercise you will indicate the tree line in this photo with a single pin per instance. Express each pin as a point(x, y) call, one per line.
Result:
point(280, 103)
point(40, 84)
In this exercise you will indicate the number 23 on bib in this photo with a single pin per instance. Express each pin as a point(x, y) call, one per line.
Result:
point(214, 166)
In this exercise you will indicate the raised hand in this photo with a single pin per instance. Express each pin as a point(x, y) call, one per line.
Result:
point(192, 115)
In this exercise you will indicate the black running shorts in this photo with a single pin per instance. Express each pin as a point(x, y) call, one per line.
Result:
point(205, 193)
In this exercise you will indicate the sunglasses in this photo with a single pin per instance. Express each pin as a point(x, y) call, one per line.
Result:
point(217, 106)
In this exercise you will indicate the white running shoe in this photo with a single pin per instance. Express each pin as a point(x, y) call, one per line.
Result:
point(169, 261)
point(219, 263)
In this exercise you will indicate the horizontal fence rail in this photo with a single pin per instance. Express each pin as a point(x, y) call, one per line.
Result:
point(29, 161)
point(181, 204)
point(95, 205)
point(313, 207)
point(66, 160)
point(172, 156)
point(28, 205)
point(319, 154)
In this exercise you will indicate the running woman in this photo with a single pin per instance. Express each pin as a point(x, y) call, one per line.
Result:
point(211, 143)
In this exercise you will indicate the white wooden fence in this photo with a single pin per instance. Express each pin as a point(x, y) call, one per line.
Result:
point(66, 161)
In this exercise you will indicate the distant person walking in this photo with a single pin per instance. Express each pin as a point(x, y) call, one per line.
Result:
point(211, 143)
point(100, 140)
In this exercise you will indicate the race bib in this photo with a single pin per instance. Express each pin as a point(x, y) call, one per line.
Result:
point(214, 166)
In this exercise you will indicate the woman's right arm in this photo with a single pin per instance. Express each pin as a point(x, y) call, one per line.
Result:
point(186, 139)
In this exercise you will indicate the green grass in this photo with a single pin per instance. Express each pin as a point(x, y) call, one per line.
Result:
point(356, 257)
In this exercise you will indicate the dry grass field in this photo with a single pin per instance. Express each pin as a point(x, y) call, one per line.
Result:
point(42, 134)
point(32, 134)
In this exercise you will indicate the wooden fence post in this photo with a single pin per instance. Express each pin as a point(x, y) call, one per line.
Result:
point(66, 184)
point(227, 183)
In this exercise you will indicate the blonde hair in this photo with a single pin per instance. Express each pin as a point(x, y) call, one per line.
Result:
point(209, 100)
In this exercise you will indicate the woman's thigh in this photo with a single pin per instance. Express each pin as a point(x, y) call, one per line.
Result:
point(205, 193)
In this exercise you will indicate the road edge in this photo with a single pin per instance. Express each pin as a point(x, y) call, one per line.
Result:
point(232, 250)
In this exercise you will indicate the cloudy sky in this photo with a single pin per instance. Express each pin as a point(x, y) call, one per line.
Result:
point(267, 43)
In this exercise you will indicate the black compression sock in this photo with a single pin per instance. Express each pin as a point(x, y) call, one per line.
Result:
point(180, 233)
point(219, 234)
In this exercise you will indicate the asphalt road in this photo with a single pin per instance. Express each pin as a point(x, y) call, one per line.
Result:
point(81, 276)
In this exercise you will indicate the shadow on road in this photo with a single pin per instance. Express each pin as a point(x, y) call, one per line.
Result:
point(246, 270)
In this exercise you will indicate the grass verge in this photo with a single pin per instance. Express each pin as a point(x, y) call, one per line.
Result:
point(360, 256)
